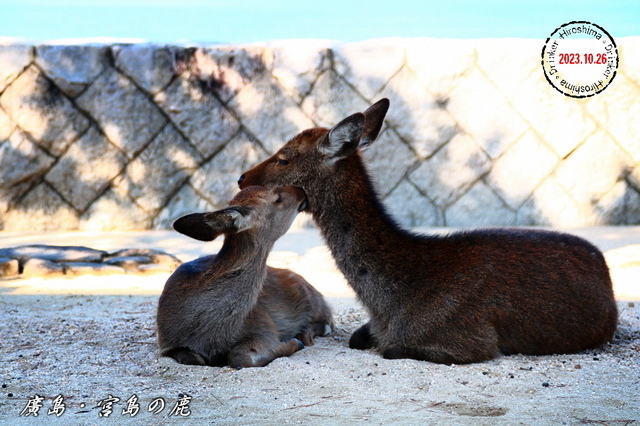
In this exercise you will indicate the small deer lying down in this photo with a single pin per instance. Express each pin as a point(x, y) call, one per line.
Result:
point(461, 298)
point(232, 309)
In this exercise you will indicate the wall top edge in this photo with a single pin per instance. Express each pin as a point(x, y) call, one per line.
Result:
point(107, 41)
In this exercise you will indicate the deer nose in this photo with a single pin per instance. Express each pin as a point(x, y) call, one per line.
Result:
point(241, 179)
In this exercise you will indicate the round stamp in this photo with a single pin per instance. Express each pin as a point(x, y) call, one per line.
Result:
point(580, 59)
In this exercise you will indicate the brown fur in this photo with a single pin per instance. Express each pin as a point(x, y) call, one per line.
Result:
point(232, 308)
point(460, 298)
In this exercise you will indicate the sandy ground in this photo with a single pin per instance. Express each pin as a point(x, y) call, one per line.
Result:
point(92, 339)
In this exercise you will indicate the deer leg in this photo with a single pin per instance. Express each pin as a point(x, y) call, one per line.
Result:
point(322, 328)
point(312, 330)
point(260, 350)
point(261, 343)
point(362, 338)
point(400, 352)
point(185, 356)
point(438, 355)
point(306, 335)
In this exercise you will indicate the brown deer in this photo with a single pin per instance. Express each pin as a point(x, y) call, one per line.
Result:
point(460, 298)
point(233, 309)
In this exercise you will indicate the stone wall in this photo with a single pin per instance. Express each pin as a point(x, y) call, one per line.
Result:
point(120, 137)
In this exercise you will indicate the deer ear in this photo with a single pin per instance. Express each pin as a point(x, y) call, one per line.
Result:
point(208, 226)
point(373, 120)
point(343, 138)
point(240, 216)
point(195, 226)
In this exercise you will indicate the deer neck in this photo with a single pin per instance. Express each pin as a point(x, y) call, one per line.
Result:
point(240, 268)
point(358, 230)
point(243, 253)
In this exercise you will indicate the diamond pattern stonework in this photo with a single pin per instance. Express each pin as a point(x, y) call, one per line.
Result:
point(117, 137)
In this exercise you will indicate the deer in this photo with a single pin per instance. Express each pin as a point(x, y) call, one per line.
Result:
point(464, 297)
point(231, 308)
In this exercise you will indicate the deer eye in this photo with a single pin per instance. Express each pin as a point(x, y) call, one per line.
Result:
point(279, 199)
point(282, 162)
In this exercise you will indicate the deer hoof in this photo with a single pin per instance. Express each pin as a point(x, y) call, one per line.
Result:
point(299, 342)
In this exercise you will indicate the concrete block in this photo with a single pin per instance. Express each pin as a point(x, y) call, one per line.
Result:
point(226, 70)
point(72, 67)
point(388, 160)
point(481, 111)
point(86, 169)
point(517, 173)
point(217, 180)
point(150, 66)
point(198, 114)
point(365, 71)
point(9, 268)
point(593, 169)
point(268, 114)
point(163, 166)
point(297, 64)
point(479, 207)
point(612, 110)
point(411, 209)
point(439, 63)
point(113, 211)
point(81, 268)
point(42, 111)
point(55, 254)
point(558, 119)
point(183, 202)
point(22, 162)
point(143, 256)
point(621, 205)
point(451, 171)
point(124, 113)
point(552, 205)
point(41, 268)
point(41, 209)
point(418, 116)
point(14, 59)
point(331, 100)
point(7, 126)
